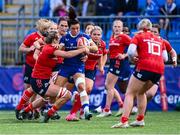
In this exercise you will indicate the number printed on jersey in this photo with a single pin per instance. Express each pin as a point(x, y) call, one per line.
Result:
point(154, 48)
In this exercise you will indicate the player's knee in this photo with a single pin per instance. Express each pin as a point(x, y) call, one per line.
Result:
point(149, 95)
point(80, 83)
point(109, 88)
point(81, 87)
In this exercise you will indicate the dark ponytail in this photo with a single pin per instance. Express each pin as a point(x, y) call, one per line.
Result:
point(72, 17)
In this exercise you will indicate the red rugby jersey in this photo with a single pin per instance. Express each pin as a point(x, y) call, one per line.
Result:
point(167, 45)
point(45, 63)
point(118, 44)
point(93, 58)
point(149, 49)
point(29, 41)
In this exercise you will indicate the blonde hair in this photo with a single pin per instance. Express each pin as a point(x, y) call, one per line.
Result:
point(96, 28)
point(144, 24)
point(42, 24)
point(117, 20)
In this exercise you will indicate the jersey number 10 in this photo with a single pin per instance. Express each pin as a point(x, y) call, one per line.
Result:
point(153, 48)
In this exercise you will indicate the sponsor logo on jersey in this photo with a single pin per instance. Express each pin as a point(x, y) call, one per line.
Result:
point(139, 75)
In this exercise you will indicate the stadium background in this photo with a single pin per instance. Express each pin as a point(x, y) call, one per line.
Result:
point(17, 19)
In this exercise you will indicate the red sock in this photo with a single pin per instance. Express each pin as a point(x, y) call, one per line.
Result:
point(24, 98)
point(52, 110)
point(77, 104)
point(124, 119)
point(120, 103)
point(29, 108)
point(81, 112)
point(140, 117)
point(107, 108)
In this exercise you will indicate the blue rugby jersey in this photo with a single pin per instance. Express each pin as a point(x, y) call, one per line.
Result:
point(70, 43)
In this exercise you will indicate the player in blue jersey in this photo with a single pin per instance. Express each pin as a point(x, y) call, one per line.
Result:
point(75, 66)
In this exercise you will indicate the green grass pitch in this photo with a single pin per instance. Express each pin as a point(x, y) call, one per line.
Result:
point(156, 123)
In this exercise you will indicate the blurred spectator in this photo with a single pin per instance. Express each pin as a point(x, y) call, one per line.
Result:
point(126, 6)
point(46, 8)
point(85, 7)
point(151, 9)
point(105, 7)
point(1, 5)
point(60, 11)
point(57, 7)
point(169, 8)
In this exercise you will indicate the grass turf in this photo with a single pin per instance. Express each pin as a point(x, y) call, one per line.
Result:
point(156, 123)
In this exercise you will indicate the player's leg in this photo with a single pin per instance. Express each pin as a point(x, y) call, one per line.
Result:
point(133, 87)
point(76, 103)
point(62, 96)
point(110, 82)
point(79, 79)
point(27, 94)
point(141, 104)
point(151, 92)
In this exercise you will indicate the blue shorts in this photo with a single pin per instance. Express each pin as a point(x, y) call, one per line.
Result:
point(40, 86)
point(125, 70)
point(27, 73)
point(91, 74)
point(67, 71)
point(120, 68)
point(57, 67)
point(147, 75)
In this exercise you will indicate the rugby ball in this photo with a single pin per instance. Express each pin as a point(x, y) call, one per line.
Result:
point(82, 41)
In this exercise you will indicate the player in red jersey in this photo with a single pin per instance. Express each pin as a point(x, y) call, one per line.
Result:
point(156, 30)
point(151, 54)
point(41, 75)
point(39, 45)
point(99, 58)
point(62, 30)
point(118, 43)
point(28, 47)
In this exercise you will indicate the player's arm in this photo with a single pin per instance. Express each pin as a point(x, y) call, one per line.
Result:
point(100, 65)
point(122, 56)
point(105, 52)
point(132, 52)
point(38, 43)
point(59, 46)
point(171, 51)
point(165, 55)
point(26, 49)
point(69, 54)
point(36, 54)
point(173, 55)
point(104, 59)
